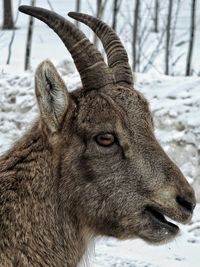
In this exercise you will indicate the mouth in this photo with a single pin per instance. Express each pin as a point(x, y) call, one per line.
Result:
point(162, 220)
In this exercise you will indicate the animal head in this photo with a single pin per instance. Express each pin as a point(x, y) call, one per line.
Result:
point(114, 175)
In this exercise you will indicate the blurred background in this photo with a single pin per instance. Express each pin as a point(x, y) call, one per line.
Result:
point(160, 36)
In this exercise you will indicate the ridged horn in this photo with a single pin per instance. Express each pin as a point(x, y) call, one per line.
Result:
point(116, 53)
point(93, 70)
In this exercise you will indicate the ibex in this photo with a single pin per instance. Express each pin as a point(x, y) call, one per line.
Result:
point(90, 165)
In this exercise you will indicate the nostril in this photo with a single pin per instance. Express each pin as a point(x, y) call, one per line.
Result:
point(189, 206)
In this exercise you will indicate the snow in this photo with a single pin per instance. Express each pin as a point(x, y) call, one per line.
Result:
point(175, 104)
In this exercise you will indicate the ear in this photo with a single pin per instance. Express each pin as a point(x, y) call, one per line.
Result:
point(52, 95)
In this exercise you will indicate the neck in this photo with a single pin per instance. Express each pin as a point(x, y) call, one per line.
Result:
point(29, 183)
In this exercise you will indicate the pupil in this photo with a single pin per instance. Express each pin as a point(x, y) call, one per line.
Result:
point(105, 140)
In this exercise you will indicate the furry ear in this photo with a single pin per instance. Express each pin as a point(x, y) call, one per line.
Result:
point(52, 95)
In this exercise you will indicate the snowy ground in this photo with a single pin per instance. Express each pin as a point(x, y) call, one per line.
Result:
point(175, 103)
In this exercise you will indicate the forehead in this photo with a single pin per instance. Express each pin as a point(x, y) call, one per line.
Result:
point(131, 101)
point(109, 106)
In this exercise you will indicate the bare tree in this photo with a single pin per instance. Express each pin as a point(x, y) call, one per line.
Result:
point(50, 5)
point(116, 7)
point(101, 4)
point(135, 32)
point(78, 8)
point(178, 54)
point(168, 36)
point(12, 36)
point(29, 40)
point(156, 16)
point(175, 18)
point(192, 36)
point(8, 23)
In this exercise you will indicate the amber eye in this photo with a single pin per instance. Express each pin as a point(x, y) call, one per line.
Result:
point(105, 139)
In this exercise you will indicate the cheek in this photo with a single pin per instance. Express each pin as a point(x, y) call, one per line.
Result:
point(110, 180)
point(102, 166)
point(118, 216)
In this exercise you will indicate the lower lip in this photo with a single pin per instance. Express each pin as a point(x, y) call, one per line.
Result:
point(173, 227)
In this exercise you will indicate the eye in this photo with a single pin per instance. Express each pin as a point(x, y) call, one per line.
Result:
point(106, 139)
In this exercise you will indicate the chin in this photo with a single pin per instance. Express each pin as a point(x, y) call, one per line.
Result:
point(157, 238)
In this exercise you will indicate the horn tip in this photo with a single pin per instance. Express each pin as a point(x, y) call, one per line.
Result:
point(23, 8)
point(73, 15)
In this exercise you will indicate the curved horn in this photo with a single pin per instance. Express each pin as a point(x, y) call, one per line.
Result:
point(90, 64)
point(116, 53)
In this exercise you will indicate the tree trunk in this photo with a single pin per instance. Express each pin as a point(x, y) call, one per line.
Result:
point(8, 23)
point(116, 6)
point(168, 36)
point(101, 4)
point(192, 35)
point(135, 33)
point(29, 39)
point(98, 14)
point(78, 8)
point(156, 16)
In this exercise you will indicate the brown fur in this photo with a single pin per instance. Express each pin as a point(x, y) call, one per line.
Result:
point(59, 188)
